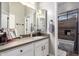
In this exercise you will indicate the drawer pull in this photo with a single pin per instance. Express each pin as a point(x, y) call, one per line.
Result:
point(21, 50)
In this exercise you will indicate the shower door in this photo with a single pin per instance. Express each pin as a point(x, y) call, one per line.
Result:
point(68, 28)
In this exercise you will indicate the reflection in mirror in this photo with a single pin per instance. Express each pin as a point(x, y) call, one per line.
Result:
point(22, 19)
point(41, 20)
point(30, 20)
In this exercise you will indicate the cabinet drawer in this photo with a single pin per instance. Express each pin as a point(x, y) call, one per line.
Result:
point(26, 47)
point(11, 52)
point(28, 53)
point(26, 50)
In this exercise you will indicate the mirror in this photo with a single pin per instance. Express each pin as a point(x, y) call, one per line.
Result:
point(17, 16)
point(22, 19)
point(29, 20)
point(41, 20)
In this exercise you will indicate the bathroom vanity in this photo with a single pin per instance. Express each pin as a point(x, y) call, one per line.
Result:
point(29, 46)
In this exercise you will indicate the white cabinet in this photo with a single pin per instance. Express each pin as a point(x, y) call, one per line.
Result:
point(25, 50)
point(41, 48)
point(37, 48)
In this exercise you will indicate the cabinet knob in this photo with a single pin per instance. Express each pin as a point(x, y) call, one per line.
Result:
point(21, 50)
point(43, 47)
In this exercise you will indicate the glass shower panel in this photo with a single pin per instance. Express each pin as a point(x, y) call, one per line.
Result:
point(64, 17)
point(72, 16)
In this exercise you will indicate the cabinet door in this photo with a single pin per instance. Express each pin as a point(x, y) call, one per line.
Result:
point(46, 50)
point(46, 47)
point(41, 48)
point(39, 51)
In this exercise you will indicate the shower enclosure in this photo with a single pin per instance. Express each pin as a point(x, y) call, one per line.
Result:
point(68, 28)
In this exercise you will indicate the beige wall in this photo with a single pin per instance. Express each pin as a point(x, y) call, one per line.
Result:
point(29, 11)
